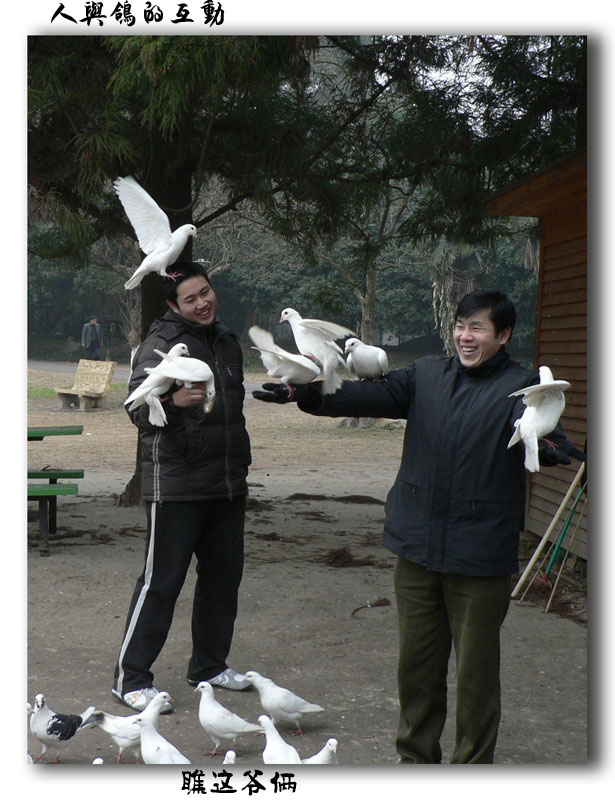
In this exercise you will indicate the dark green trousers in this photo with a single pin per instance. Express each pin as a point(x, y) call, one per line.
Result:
point(436, 610)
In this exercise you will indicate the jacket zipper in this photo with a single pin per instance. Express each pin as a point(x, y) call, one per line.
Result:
point(227, 468)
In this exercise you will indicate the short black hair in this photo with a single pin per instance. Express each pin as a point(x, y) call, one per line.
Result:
point(178, 273)
point(501, 309)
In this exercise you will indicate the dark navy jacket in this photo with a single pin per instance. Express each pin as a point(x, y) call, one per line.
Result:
point(457, 503)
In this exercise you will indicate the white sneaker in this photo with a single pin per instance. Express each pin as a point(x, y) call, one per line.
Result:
point(140, 699)
point(230, 679)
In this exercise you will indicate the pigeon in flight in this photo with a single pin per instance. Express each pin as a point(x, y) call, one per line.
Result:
point(153, 387)
point(328, 754)
point(545, 403)
point(186, 371)
point(220, 723)
point(292, 369)
point(155, 749)
point(365, 360)
point(277, 751)
point(315, 339)
point(161, 246)
point(54, 730)
point(281, 704)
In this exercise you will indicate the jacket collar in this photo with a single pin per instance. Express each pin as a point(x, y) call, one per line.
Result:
point(490, 367)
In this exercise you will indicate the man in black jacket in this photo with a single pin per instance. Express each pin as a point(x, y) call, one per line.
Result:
point(453, 518)
point(194, 484)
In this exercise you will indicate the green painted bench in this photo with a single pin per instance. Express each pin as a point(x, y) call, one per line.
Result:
point(52, 476)
point(44, 494)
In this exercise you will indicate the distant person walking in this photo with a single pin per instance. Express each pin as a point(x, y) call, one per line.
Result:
point(91, 339)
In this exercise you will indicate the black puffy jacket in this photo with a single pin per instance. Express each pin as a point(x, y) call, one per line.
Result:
point(457, 503)
point(196, 456)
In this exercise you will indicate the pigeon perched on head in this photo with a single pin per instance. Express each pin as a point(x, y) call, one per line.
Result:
point(54, 730)
point(545, 403)
point(153, 387)
point(365, 360)
point(277, 751)
point(281, 704)
point(123, 731)
point(315, 339)
point(220, 723)
point(161, 246)
point(292, 369)
point(327, 755)
point(155, 749)
point(186, 371)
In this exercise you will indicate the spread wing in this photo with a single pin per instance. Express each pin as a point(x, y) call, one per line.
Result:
point(149, 221)
point(329, 330)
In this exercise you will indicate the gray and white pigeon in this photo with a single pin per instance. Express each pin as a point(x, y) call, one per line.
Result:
point(155, 749)
point(161, 245)
point(123, 731)
point(220, 723)
point(327, 755)
point(292, 369)
point(315, 339)
point(280, 703)
point(54, 730)
point(186, 371)
point(365, 360)
point(153, 387)
point(277, 751)
point(545, 403)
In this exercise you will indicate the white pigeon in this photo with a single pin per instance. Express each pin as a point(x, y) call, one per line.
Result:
point(277, 751)
point(155, 749)
point(54, 730)
point(365, 360)
point(328, 754)
point(230, 757)
point(281, 704)
point(186, 371)
point(122, 730)
point(153, 387)
point(98, 761)
point(220, 723)
point(545, 403)
point(292, 369)
point(161, 246)
point(315, 339)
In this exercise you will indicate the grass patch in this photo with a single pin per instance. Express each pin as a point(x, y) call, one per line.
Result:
point(40, 391)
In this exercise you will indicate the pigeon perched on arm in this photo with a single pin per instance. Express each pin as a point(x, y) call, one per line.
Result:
point(291, 368)
point(220, 723)
point(315, 339)
point(545, 403)
point(155, 749)
point(54, 730)
point(365, 360)
point(328, 754)
point(161, 245)
point(280, 703)
point(154, 387)
point(277, 751)
point(186, 371)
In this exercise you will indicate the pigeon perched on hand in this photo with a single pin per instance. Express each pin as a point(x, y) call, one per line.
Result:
point(155, 749)
point(161, 246)
point(153, 387)
point(291, 368)
point(328, 754)
point(186, 371)
point(281, 704)
point(545, 403)
point(277, 751)
point(315, 339)
point(365, 360)
point(54, 730)
point(220, 723)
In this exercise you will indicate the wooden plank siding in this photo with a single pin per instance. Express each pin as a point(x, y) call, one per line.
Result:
point(558, 197)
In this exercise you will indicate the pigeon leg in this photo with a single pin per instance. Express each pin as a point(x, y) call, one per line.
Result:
point(173, 275)
point(213, 752)
point(298, 732)
point(39, 756)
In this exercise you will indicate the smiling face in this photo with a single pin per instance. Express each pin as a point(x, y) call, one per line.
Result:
point(196, 301)
point(475, 338)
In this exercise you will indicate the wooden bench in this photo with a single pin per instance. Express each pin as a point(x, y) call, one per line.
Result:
point(90, 388)
point(52, 476)
point(44, 493)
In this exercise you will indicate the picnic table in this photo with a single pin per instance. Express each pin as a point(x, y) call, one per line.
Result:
point(46, 494)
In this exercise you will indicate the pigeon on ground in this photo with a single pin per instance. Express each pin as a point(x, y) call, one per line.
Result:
point(186, 372)
point(230, 757)
point(315, 339)
point(155, 749)
point(328, 754)
point(291, 368)
point(545, 403)
point(161, 246)
point(122, 730)
point(281, 704)
point(153, 387)
point(277, 751)
point(54, 730)
point(365, 360)
point(220, 723)
point(98, 761)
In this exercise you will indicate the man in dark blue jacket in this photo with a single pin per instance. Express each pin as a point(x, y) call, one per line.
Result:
point(453, 517)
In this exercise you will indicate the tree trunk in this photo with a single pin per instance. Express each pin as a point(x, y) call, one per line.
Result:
point(368, 305)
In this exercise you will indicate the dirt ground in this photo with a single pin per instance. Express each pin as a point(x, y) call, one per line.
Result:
point(314, 561)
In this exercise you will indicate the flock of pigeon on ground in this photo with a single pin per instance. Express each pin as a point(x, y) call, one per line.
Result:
point(139, 732)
